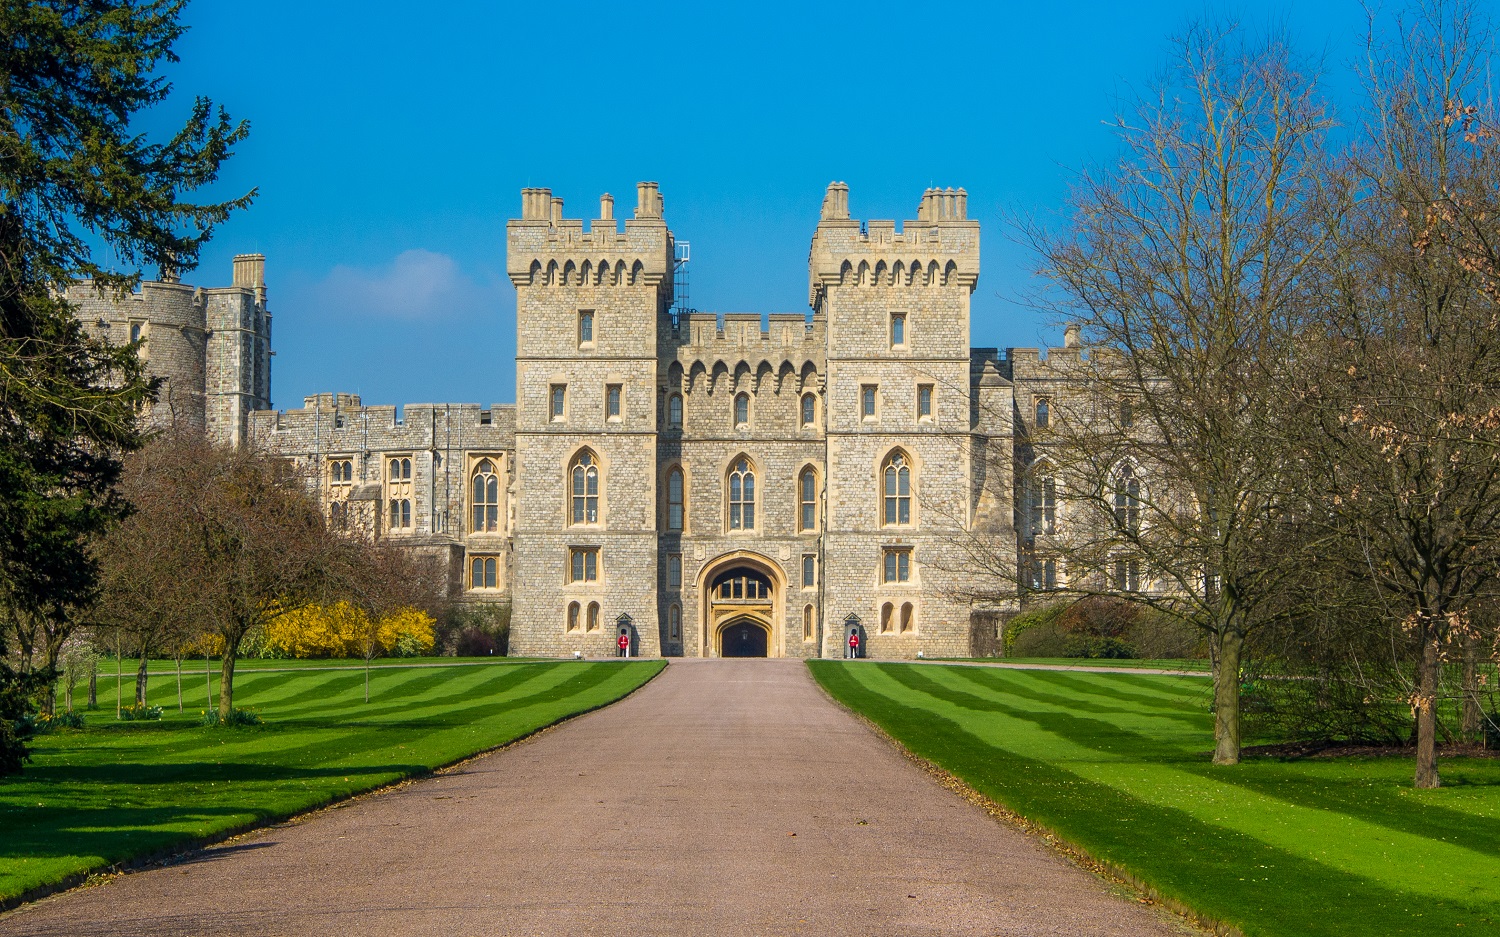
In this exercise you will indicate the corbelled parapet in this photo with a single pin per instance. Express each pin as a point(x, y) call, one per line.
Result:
point(939, 248)
point(545, 249)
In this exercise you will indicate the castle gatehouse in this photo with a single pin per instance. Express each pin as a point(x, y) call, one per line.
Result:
point(711, 484)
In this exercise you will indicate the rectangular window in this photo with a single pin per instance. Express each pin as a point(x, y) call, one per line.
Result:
point(897, 565)
point(584, 565)
point(898, 329)
point(558, 399)
point(809, 570)
point(924, 401)
point(867, 401)
point(483, 572)
point(585, 326)
point(674, 570)
point(612, 401)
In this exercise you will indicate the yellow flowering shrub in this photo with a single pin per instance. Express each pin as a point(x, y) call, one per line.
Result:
point(341, 630)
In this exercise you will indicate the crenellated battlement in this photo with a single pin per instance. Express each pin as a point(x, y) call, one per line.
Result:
point(702, 351)
point(939, 248)
point(543, 248)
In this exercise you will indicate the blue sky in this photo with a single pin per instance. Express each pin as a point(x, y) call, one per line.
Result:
point(390, 142)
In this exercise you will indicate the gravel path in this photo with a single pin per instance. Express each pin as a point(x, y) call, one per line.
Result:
point(725, 798)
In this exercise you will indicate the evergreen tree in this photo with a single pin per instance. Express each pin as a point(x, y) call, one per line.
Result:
point(79, 184)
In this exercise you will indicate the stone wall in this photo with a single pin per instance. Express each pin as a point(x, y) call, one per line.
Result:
point(445, 444)
point(211, 347)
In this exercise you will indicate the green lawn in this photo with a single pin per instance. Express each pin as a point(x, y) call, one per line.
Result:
point(1118, 764)
point(118, 790)
point(1197, 666)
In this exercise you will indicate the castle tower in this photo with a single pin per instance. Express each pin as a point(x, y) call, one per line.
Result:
point(900, 444)
point(238, 371)
point(588, 305)
point(168, 319)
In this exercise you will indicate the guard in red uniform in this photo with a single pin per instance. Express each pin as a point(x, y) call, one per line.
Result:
point(853, 644)
point(624, 643)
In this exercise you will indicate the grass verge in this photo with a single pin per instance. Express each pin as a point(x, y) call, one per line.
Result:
point(115, 792)
point(1194, 665)
point(1118, 766)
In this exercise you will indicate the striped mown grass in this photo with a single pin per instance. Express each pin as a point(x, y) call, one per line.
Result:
point(117, 791)
point(1118, 765)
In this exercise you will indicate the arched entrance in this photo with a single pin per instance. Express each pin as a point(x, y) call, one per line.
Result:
point(742, 598)
point(744, 637)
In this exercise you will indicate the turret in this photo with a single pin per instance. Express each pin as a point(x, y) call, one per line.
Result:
point(939, 248)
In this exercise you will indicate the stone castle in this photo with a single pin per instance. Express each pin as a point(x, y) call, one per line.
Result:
point(707, 485)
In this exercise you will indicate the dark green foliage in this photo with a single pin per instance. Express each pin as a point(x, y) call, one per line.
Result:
point(75, 177)
point(238, 718)
point(474, 629)
point(67, 720)
point(72, 170)
point(140, 713)
point(17, 712)
point(1042, 621)
point(1097, 647)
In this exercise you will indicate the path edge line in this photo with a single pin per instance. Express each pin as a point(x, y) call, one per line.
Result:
point(171, 855)
point(1074, 853)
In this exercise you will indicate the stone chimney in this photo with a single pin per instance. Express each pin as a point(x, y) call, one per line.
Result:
point(836, 202)
point(1071, 335)
point(606, 207)
point(536, 204)
point(557, 206)
point(249, 271)
point(648, 202)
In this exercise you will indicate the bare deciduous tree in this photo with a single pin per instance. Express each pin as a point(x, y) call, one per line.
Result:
point(1403, 383)
point(238, 531)
point(1186, 265)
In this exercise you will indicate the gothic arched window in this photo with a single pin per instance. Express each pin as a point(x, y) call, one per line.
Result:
point(1042, 489)
point(741, 495)
point(741, 410)
point(674, 624)
point(674, 411)
point(1128, 499)
point(897, 489)
point(675, 499)
point(485, 499)
point(807, 498)
point(584, 482)
point(809, 409)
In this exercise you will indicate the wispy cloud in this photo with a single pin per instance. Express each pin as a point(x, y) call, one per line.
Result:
point(417, 285)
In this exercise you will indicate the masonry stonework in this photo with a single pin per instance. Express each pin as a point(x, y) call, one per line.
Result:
point(717, 483)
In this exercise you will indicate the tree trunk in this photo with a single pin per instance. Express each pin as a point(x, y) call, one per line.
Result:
point(1469, 729)
point(179, 681)
point(1426, 704)
point(93, 684)
point(226, 685)
point(140, 681)
point(1227, 698)
point(119, 679)
point(208, 683)
point(68, 699)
